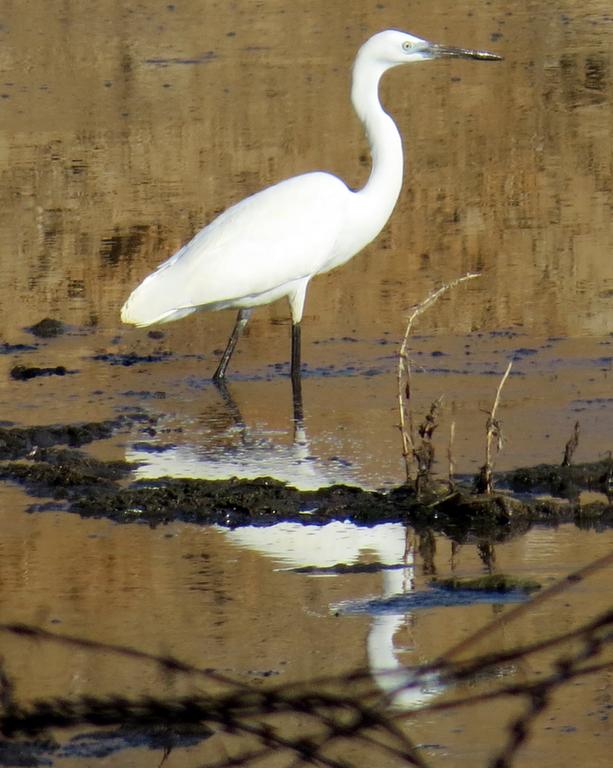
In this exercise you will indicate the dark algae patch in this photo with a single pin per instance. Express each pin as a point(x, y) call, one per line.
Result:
point(11, 349)
point(446, 593)
point(130, 358)
point(97, 745)
point(564, 481)
point(36, 458)
point(490, 582)
point(66, 470)
point(27, 372)
point(455, 591)
point(48, 328)
point(18, 442)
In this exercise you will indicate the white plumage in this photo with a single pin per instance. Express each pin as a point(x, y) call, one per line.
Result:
point(271, 244)
point(242, 258)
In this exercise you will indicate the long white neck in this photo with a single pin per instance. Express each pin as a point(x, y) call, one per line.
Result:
point(378, 197)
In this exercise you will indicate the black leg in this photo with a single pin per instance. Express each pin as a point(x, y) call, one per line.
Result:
point(295, 369)
point(241, 322)
point(295, 373)
point(297, 401)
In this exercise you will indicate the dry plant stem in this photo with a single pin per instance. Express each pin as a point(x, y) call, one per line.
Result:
point(450, 456)
point(404, 373)
point(423, 454)
point(493, 430)
point(571, 446)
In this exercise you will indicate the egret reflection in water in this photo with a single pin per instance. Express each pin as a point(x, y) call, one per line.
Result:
point(293, 545)
point(261, 456)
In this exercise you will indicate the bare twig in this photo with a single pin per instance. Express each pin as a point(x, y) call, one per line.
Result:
point(451, 471)
point(571, 446)
point(494, 432)
point(404, 374)
point(424, 452)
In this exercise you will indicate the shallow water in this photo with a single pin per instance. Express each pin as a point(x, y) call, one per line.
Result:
point(237, 602)
point(124, 129)
point(111, 161)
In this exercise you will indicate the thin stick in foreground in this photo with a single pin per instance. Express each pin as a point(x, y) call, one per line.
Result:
point(404, 374)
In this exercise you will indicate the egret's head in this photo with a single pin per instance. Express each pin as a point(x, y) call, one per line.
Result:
point(391, 48)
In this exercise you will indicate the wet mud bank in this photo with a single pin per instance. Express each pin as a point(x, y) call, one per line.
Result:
point(23, 442)
point(71, 480)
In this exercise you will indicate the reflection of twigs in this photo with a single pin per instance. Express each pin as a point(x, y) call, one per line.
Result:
point(427, 550)
point(494, 432)
point(404, 374)
point(487, 553)
point(608, 480)
point(7, 689)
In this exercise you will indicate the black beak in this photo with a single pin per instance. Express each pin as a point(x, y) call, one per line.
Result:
point(445, 52)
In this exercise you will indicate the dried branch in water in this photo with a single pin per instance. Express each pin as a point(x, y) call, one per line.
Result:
point(424, 452)
point(451, 471)
point(484, 483)
point(571, 446)
point(404, 375)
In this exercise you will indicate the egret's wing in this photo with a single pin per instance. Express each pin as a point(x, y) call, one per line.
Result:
point(279, 235)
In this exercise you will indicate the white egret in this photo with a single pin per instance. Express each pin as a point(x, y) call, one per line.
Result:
point(271, 244)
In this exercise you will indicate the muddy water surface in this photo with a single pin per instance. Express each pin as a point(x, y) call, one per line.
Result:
point(127, 127)
point(233, 601)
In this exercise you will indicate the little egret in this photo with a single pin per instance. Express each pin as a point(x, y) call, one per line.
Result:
point(272, 243)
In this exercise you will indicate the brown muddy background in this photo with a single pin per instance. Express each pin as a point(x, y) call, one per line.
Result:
point(125, 126)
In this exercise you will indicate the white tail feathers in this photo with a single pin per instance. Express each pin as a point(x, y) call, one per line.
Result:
point(152, 302)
